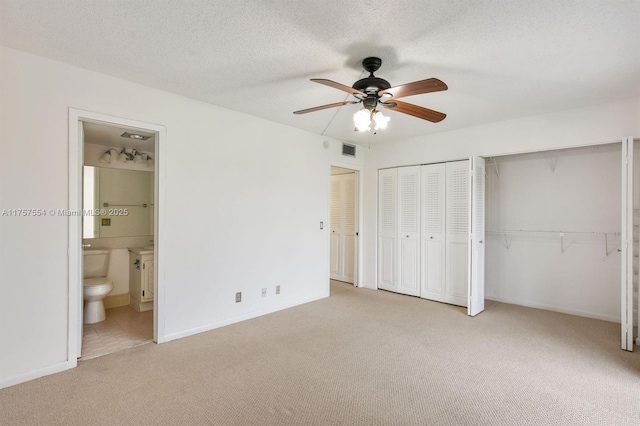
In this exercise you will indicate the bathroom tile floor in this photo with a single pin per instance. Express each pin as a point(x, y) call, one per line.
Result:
point(123, 328)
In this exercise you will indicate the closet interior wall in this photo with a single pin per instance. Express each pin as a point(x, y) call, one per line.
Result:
point(553, 223)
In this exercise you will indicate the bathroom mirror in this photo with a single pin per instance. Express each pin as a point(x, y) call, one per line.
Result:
point(117, 203)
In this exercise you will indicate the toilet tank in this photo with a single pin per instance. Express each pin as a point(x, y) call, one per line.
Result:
point(95, 263)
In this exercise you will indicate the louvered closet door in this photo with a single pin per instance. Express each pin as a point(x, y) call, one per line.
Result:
point(387, 228)
point(409, 230)
point(348, 235)
point(475, 292)
point(432, 249)
point(336, 227)
point(457, 233)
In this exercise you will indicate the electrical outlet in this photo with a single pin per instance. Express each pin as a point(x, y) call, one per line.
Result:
point(264, 292)
point(239, 297)
point(277, 289)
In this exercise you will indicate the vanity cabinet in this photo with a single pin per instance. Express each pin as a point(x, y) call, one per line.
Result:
point(141, 279)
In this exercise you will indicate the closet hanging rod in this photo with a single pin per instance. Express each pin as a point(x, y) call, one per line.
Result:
point(546, 231)
point(124, 205)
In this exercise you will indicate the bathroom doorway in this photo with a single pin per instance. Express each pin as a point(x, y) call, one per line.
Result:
point(115, 183)
point(344, 226)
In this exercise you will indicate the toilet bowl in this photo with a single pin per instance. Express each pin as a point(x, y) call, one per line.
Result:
point(96, 285)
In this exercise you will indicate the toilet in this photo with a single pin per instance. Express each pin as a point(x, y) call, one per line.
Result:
point(95, 284)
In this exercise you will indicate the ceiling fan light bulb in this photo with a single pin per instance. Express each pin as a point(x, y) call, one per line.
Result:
point(381, 120)
point(362, 120)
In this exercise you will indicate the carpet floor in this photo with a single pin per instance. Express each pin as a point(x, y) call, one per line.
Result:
point(359, 357)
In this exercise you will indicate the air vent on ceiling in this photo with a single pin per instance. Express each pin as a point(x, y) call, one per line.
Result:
point(349, 150)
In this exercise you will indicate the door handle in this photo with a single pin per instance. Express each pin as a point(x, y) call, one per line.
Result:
point(87, 245)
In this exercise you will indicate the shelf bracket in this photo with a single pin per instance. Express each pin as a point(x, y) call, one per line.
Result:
point(606, 246)
point(553, 161)
point(506, 244)
point(495, 164)
point(562, 247)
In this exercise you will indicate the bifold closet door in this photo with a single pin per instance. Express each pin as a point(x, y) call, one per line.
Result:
point(432, 219)
point(475, 292)
point(457, 233)
point(626, 273)
point(409, 230)
point(387, 228)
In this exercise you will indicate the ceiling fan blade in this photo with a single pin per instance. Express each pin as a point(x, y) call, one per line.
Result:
point(318, 108)
point(416, 88)
point(415, 110)
point(339, 86)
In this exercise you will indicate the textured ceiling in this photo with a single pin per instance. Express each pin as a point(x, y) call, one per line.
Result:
point(500, 59)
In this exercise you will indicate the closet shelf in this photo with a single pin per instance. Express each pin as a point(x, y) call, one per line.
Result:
point(611, 240)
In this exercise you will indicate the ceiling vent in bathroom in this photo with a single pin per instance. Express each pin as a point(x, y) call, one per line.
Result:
point(348, 150)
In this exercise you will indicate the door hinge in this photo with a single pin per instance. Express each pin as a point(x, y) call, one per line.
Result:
point(142, 293)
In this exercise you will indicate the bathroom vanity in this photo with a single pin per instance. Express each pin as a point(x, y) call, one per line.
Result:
point(141, 278)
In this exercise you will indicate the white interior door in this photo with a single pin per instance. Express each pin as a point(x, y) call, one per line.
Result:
point(626, 285)
point(387, 228)
point(409, 230)
point(475, 294)
point(80, 275)
point(349, 221)
point(457, 233)
point(432, 219)
point(336, 227)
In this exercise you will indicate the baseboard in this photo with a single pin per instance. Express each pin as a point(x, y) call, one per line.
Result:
point(141, 306)
point(556, 309)
point(240, 318)
point(116, 300)
point(36, 374)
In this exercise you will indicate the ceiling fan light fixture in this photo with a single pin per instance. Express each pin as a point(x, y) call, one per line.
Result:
point(362, 120)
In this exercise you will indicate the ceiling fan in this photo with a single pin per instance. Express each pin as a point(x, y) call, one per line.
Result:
point(372, 90)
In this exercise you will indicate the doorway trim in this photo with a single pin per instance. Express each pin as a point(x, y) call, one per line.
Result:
point(74, 243)
point(358, 282)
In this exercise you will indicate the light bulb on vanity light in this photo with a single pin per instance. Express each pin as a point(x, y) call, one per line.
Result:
point(137, 158)
point(123, 157)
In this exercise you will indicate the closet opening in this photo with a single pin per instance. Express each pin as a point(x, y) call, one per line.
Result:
point(555, 237)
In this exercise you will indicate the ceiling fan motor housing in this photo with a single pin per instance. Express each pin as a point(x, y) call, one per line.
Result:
point(371, 85)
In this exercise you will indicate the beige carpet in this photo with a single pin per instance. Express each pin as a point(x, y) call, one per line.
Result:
point(360, 357)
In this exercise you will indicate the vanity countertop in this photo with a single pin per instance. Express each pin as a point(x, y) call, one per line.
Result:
point(141, 250)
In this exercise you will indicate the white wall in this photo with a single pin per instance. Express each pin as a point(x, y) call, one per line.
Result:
point(244, 198)
point(584, 126)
